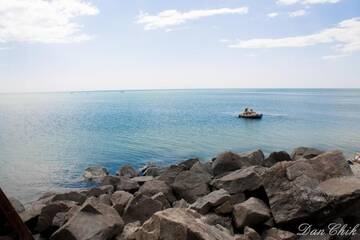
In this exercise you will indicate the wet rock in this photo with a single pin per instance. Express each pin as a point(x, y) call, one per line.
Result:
point(170, 173)
point(96, 222)
point(111, 180)
point(229, 161)
point(276, 157)
point(179, 224)
point(153, 187)
point(250, 213)
point(18, 206)
point(245, 179)
point(277, 234)
point(119, 200)
point(305, 152)
point(140, 208)
point(190, 185)
point(95, 173)
point(213, 199)
point(127, 171)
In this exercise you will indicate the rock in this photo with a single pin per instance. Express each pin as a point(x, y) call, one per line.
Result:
point(95, 173)
point(202, 168)
point(59, 219)
point(111, 180)
point(251, 234)
point(153, 171)
point(140, 208)
point(170, 173)
point(213, 199)
point(291, 187)
point(191, 185)
point(275, 157)
point(227, 206)
point(127, 184)
point(180, 204)
point(187, 164)
point(277, 234)
point(105, 199)
point(305, 152)
point(162, 199)
point(250, 213)
point(119, 200)
point(142, 179)
point(179, 224)
point(228, 161)
point(245, 179)
point(214, 219)
point(31, 213)
point(153, 187)
point(19, 208)
point(127, 171)
point(96, 222)
point(47, 214)
point(70, 196)
point(97, 191)
point(129, 231)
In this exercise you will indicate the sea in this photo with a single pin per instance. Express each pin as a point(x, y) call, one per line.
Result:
point(48, 139)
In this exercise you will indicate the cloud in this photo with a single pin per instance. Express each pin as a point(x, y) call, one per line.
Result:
point(169, 18)
point(345, 36)
point(297, 13)
point(305, 2)
point(43, 21)
point(273, 14)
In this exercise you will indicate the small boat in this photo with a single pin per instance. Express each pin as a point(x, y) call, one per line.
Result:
point(250, 114)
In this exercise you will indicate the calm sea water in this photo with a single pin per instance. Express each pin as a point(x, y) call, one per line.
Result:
point(47, 140)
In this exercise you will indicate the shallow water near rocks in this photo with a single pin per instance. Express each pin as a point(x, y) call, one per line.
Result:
point(48, 139)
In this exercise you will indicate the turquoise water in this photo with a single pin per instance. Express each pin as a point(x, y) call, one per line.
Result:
point(48, 139)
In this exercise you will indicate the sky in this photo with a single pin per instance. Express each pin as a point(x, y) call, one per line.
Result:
point(84, 45)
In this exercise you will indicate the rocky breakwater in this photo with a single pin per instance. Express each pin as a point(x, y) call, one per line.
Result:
point(237, 196)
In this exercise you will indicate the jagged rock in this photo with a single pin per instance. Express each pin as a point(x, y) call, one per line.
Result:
point(187, 164)
point(96, 222)
point(179, 224)
point(162, 199)
point(251, 234)
point(250, 213)
point(127, 184)
point(229, 161)
point(275, 157)
point(277, 234)
point(170, 173)
point(213, 199)
point(180, 204)
point(142, 179)
point(97, 191)
point(119, 200)
point(129, 230)
point(153, 171)
point(111, 180)
point(292, 186)
point(245, 179)
point(95, 173)
point(227, 206)
point(70, 196)
point(153, 187)
point(305, 152)
point(214, 219)
point(105, 199)
point(140, 208)
point(127, 171)
point(190, 185)
point(204, 168)
point(47, 214)
point(18, 206)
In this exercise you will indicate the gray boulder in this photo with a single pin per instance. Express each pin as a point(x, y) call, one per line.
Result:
point(47, 215)
point(142, 179)
point(119, 200)
point(213, 199)
point(128, 232)
point(122, 183)
point(153, 187)
point(70, 196)
point(187, 164)
point(127, 171)
point(227, 206)
point(169, 174)
point(97, 191)
point(180, 204)
point(251, 234)
point(276, 157)
point(153, 171)
point(95, 173)
point(250, 213)
point(215, 220)
point(305, 152)
point(162, 199)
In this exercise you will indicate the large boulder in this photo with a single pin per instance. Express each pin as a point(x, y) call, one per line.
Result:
point(187, 164)
point(153, 187)
point(127, 171)
point(229, 161)
point(245, 179)
point(305, 152)
point(228, 206)
point(276, 157)
point(291, 187)
point(250, 213)
point(216, 220)
point(213, 199)
point(119, 200)
point(191, 185)
point(47, 215)
point(142, 179)
point(96, 222)
point(121, 183)
point(140, 208)
point(179, 224)
point(95, 173)
point(170, 173)
point(98, 191)
point(70, 196)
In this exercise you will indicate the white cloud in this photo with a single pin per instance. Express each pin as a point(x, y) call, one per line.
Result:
point(273, 14)
point(43, 21)
point(345, 36)
point(169, 18)
point(297, 13)
point(306, 2)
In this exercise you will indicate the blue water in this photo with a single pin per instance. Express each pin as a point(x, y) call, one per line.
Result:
point(48, 139)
